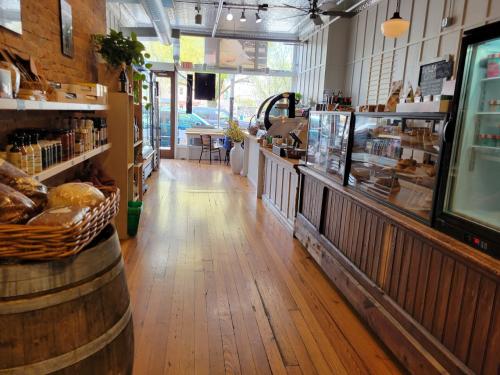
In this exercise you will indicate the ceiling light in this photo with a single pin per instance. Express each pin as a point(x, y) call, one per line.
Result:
point(396, 26)
point(257, 18)
point(243, 18)
point(197, 17)
point(229, 15)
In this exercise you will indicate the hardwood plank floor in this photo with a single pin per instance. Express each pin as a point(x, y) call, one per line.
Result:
point(218, 286)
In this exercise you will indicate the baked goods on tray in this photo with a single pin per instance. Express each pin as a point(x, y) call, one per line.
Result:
point(388, 182)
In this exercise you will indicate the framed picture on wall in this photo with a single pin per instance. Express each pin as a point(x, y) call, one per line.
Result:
point(10, 15)
point(66, 28)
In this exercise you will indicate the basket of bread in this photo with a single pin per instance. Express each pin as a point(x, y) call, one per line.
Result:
point(38, 223)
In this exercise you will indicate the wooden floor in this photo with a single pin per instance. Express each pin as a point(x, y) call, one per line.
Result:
point(219, 286)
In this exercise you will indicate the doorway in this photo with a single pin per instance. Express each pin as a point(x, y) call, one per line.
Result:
point(166, 94)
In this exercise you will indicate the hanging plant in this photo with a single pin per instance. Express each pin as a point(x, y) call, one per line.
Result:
point(117, 49)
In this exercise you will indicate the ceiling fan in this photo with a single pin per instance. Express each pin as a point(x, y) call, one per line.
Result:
point(314, 11)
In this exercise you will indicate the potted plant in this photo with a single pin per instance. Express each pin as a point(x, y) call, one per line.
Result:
point(118, 50)
point(298, 97)
point(236, 154)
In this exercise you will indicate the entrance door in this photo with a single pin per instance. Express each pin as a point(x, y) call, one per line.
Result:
point(166, 84)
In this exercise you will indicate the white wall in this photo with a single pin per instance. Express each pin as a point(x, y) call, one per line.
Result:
point(310, 66)
point(373, 61)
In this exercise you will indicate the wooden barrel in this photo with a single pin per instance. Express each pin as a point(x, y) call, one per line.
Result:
point(67, 317)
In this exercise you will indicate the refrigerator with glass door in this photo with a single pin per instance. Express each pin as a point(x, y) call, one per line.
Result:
point(468, 205)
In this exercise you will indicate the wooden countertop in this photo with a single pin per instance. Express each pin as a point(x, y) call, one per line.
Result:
point(199, 131)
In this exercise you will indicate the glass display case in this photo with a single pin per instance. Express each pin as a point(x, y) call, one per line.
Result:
point(329, 136)
point(395, 159)
point(469, 205)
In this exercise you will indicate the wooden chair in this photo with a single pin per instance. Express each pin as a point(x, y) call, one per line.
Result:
point(208, 146)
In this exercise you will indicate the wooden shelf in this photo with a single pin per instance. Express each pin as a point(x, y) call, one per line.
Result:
point(65, 165)
point(35, 105)
point(130, 165)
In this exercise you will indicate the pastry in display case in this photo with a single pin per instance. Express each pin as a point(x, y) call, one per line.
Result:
point(329, 143)
point(395, 158)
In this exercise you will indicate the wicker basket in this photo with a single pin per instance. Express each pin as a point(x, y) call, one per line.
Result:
point(47, 242)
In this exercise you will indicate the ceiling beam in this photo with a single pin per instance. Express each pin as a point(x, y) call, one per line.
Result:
point(217, 17)
point(276, 37)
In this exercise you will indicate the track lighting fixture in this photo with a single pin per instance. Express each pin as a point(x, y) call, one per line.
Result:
point(257, 18)
point(243, 18)
point(229, 15)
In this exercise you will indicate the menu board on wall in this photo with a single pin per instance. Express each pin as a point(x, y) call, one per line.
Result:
point(433, 75)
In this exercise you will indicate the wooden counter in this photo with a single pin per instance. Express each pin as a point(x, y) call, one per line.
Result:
point(434, 301)
point(278, 185)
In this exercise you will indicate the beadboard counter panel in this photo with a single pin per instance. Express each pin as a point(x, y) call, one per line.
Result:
point(432, 300)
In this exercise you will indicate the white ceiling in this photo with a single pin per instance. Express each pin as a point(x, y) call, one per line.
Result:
point(278, 22)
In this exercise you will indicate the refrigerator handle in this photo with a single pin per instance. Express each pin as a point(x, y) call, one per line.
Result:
point(448, 131)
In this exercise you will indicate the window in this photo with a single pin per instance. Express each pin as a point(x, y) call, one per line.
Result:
point(158, 51)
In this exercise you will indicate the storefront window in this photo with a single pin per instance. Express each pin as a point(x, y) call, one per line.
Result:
point(192, 49)
point(158, 51)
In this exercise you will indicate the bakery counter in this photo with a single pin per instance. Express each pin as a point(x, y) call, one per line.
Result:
point(432, 300)
point(278, 185)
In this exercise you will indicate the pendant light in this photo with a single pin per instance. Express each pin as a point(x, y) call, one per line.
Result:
point(243, 18)
point(257, 18)
point(197, 17)
point(396, 26)
point(229, 15)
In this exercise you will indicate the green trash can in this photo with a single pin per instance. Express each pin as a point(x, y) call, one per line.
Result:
point(134, 214)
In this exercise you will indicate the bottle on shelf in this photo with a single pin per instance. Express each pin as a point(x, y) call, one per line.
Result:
point(24, 154)
point(123, 80)
point(14, 155)
point(37, 153)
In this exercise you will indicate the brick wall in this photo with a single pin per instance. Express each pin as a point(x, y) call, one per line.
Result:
point(42, 38)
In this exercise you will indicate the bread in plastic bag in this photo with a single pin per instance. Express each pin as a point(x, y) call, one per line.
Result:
point(60, 216)
point(23, 183)
point(76, 194)
point(15, 208)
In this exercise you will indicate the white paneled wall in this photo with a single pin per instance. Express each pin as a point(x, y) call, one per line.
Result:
point(374, 61)
point(310, 63)
point(371, 61)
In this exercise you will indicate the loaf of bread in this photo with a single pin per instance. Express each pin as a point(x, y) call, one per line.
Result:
point(60, 216)
point(76, 194)
point(20, 181)
point(15, 208)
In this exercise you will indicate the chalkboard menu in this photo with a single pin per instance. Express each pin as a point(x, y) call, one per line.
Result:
point(432, 76)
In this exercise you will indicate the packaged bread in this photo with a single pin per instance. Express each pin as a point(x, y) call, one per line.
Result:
point(76, 194)
point(15, 208)
point(23, 183)
point(60, 216)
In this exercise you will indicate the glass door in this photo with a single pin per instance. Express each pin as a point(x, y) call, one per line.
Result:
point(473, 190)
point(166, 104)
